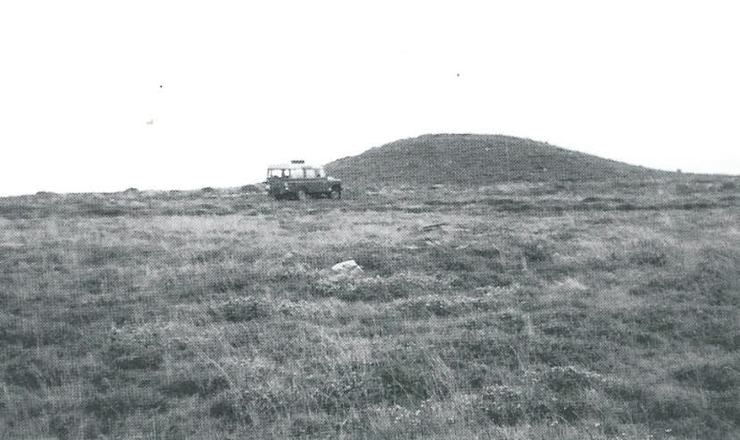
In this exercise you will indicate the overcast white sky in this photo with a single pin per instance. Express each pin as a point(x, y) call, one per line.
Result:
point(654, 83)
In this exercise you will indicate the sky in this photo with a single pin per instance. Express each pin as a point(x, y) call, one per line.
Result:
point(103, 96)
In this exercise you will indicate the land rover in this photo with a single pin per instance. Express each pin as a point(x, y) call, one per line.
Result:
point(299, 181)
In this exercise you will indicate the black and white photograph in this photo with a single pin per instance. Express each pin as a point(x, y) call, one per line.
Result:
point(386, 220)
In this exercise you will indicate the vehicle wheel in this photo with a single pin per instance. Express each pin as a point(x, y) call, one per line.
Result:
point(301, 195)
point(335, 194)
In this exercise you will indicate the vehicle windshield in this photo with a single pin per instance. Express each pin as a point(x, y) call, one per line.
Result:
point(277, 172)
point(296, 173)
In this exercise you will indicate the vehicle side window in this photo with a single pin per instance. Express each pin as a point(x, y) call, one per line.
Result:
point(310, 173)
point(321, 172)
point(296, 173)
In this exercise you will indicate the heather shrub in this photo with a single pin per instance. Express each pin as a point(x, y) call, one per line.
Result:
point(671, 403)
point(411, 372)
point(373, 288)
point(345, 388)
point(451, 260)
point(117, 403)
point(62, 426)
point(202, 382)
point(717, 274)
point(487, 252)
point(683, 189)
point(230, 410)
point(243, 309)
point(503, 404)
point(436, 305)
point(421, 420)
point(537, 251)
point(569, 379)
point(134, 348)
point(507, 321)
point(709, 375)
point(567, 393)
point(558, 393)
point(725, 403)
point(311, 426)
point(380, 260)
point(728, 186)
point(254, 189)
point(649, 253)
point(32, 372)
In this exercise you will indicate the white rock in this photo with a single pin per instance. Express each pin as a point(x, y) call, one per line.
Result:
point(349, 267)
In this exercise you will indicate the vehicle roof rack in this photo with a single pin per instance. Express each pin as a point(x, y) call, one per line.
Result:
point(297, 161)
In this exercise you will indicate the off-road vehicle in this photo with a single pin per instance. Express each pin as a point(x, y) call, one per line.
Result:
point(299, 181)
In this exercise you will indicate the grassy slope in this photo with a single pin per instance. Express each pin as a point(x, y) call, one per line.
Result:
point(476, 159)
point(590, 310)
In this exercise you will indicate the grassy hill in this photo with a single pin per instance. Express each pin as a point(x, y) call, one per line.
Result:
point(472, 159)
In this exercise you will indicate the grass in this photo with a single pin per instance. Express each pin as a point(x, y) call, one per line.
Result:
point(561, 310)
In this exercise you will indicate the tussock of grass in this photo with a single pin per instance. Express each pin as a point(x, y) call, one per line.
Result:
point(449, 305)
point(374, 288)
point(243, 309)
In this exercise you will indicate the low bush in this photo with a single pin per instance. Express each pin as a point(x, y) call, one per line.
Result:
point(14, 332)
point(346, 388)
point(684, 189)
point(709, 325)
point(20, 332)
point(725, 403)
point(122, 401)
point(503, 404)
point(570, 379)
point(134, 348)
point(717, 274)
point(230, 410)
point(554, 351)
point(486, 346)
point(689, 413)
point(243, 309)
point(671, 403)
point(411, 373)
point(559, 393)
point(649, 253)
point(311, 426)
point(710, 376)
point(660, 283)
point(728, 186)
point(377, 288)
point(507, 321)
point(63, 426)
point(32, 372)
point(200, 382)
point(253, 189)
point(488, 252)
point(451, 260)
point(561, 321)
point(537, 251)
point(437, 305)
